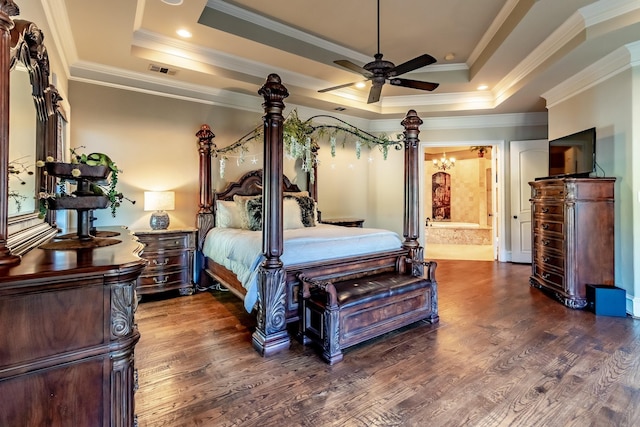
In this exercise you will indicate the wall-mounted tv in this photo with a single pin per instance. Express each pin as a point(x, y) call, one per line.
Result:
point(573, 155)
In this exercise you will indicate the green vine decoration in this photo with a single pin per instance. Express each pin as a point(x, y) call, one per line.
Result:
point(93, 159)
point(300, 139)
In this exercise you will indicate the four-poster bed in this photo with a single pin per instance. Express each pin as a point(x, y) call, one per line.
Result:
point(276, 275)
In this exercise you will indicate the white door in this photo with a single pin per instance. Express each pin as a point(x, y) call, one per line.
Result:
point(528, 160)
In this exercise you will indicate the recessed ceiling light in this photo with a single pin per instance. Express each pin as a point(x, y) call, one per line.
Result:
point(483, 87)
point(360, 85)
point(449, 56)
point(184, 33)
point(173, 2)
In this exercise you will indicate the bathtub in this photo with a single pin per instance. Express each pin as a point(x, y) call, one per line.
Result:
point(457, 233)
point(449, 224)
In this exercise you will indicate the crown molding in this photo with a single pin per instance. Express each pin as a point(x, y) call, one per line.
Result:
point(271, 25)
point(562, 36)
point(622, 59)
point(57, 16)
point(468, 122)
point(98, 74)
point(497, 23)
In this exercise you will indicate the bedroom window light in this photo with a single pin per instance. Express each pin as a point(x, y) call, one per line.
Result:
point(159, 202)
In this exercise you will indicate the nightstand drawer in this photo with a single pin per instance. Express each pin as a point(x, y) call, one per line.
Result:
point(163, 280)
point(166, 242)
point(158, 262)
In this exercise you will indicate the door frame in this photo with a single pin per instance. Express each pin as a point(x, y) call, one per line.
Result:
point(498, 167)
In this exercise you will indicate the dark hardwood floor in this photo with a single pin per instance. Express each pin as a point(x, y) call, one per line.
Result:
point(504, 354)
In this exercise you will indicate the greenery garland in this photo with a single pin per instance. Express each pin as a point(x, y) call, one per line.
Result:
point(300, 139)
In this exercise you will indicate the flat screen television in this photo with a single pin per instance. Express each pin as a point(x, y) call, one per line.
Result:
point(573, 155)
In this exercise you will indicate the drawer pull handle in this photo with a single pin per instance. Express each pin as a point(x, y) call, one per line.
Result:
point(544, 210)
point(545, 226)
point(545, 258)
point(545, 242)
point(165, 279)
point(166, 260)
point(545, 275)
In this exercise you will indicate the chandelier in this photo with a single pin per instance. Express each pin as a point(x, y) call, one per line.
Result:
point(444, 162)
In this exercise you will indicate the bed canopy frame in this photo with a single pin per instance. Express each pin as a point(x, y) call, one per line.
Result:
point(274, 309)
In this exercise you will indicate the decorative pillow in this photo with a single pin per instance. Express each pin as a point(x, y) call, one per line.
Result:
point(254, 214)
point(242, 201)
point(228, 214)
point(292, 214)
point(307, 209)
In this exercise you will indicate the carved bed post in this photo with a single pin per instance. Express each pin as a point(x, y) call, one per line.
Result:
point(7, 9)
point(205, 213)
point(411, 233)
point(271, 333)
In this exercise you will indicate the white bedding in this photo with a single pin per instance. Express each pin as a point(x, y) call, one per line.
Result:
point(241, 250)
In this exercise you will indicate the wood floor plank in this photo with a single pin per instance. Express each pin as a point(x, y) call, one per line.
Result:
point(503, 354)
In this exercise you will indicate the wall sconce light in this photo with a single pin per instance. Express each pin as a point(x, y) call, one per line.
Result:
point(159, 202)
point(444, 163)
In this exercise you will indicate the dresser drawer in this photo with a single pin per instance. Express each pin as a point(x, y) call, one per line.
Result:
point(166, 242)
point(544, 241)
point(546, 226)
point(549, 210)
point(550, 192)
point(550, 258)
point(163, 280)
point(551, 279)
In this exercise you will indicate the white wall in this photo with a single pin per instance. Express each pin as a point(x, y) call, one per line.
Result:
point(613, 106)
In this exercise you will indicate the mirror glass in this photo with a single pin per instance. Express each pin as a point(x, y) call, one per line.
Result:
point(22, 144)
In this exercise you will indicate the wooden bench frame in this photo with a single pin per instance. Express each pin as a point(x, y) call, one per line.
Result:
point(337, 313)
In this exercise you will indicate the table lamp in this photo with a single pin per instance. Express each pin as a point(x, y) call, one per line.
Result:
point(159, 202)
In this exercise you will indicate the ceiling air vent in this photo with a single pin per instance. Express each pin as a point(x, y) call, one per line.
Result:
point(162, 70)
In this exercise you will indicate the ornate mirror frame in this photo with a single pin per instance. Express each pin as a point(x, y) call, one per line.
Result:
point(22, 41)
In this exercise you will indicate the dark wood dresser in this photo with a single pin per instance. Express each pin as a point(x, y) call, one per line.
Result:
point(68, 336)
point(170, 257)
point(572, 236)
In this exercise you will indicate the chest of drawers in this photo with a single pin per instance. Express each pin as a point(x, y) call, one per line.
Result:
point(170, 256)
point(572, 236)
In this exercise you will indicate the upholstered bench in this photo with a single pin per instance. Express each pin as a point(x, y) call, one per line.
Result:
point(338, 314)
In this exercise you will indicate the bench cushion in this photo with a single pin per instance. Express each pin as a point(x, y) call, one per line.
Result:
point(370, 288)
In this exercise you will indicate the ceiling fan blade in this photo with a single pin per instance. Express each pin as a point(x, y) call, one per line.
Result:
point(414, 84)
point(337, 87)
point(374, 94)
point(413, 64)
point(353, 67)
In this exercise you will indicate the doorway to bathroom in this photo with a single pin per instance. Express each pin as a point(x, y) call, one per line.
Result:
point(460, 201)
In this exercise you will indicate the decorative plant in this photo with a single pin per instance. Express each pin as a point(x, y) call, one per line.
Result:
point(481, 149)
point(16, 168)
point(300, 139)
point(93, 159)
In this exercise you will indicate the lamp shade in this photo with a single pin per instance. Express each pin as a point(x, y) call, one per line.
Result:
point(159, 201)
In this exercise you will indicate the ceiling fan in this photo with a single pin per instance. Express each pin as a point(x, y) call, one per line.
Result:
point(380, 71)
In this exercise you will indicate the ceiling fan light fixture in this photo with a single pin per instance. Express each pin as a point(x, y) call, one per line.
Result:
point(379, 71)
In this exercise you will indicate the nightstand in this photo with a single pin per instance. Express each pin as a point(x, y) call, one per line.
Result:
point(344, 222)
point(170, 257)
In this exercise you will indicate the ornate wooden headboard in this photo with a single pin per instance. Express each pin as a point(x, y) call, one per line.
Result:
point(250, 184)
